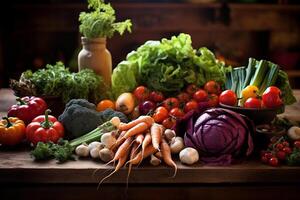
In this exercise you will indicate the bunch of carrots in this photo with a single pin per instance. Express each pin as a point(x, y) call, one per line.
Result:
point(138, 140)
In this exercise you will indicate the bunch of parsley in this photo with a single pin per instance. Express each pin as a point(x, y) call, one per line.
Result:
point(100, 22)
point(57, 80)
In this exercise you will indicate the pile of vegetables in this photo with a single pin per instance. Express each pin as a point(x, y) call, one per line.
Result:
point(167, 66)
point(57, 80)
point(220, 136)
point(257, 77)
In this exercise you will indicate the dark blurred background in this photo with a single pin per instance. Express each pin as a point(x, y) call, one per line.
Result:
point(36, 32)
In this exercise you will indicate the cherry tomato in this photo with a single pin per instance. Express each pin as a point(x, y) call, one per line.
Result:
point(269, 155)
point(264, 159)
point(183, 97)
point(105, 104)
point(285, 143)
point(200, 95)
point(252, 103)
point(287, 150)
point(281, 155)
point(156, 96)
point(177, 113)
point(212, 87)
point(160, 114)
point(228, 97)
point(141, 93)
point(213, 100)
point(169, 122)
point(191, 105)
point(279, 146)
point(171, 103)
point(297, 144)
point(191, 89)
point(249, 91)
point(273, 161)
point(271, 97)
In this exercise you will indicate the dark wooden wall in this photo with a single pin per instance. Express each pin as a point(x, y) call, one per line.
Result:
point(36, 34)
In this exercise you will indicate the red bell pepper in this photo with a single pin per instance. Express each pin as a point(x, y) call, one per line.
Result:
point(27, 108)
point(44, 128)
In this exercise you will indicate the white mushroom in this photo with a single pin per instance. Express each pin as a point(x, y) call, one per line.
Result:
point(176, 144)
point(95, 152)
point(294, 133)
point(82, 150)
point(108, 139)
point(106, 154)
point(189, 156)
point(154, 160)
point(169, 134)
point(96, 144)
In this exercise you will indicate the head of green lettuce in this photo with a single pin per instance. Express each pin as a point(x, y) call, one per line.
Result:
point(167, 66)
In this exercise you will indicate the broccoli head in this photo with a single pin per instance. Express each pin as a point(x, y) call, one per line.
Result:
point(81, 117)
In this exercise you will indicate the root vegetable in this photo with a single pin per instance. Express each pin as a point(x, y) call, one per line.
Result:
point(169, 134)
point(82, 150)
point(125, 103)
point(144, 118)
point(294, 133)
point(106, 155)
point(166, 152)
point(108, 140)
point(154, 160)
point(139, 128)
point(96, 145)
point(189, 156)
point(176, 145)
point(156, 133)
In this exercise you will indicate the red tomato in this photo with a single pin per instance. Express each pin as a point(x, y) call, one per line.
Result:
point(191, 105)
point(212, 87)
point(281, 155)
point(252, 103)
point(141, 93)
point(273, 161)
point(228, 97)
point(177, 113)
point(191, 89)
point(200, 95)
point(169, 122)
point(213, 100)
point(156, 96)
point(171, 103)
point(287, 150)
point(160, 114)
point(271, 97)
point(183, 97)
point(297, 144)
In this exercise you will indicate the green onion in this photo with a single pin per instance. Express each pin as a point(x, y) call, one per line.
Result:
point(260, 73)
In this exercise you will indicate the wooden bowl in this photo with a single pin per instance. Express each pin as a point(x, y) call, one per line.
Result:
point(258, 116)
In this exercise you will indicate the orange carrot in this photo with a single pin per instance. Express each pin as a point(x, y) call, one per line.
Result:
point(166, 153)
point(139, 128)
point(139, 138)
point(147, 119)
point(119, 141)
point(158, 155)
point(147, 140)
point(149, 150)
point(132, 155)
point(156, 135)
point(123, 149)
point(121, 162)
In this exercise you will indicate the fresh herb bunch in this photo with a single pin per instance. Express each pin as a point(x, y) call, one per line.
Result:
point(100, 22)
point(57, 80)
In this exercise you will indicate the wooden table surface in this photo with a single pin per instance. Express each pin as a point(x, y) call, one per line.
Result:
point(17, 167)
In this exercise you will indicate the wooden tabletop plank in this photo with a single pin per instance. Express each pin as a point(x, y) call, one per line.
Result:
point(18, 166)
